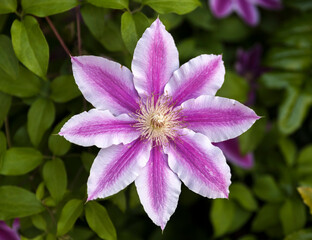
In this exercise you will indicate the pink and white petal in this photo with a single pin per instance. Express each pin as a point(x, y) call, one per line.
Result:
point(221, 8)
point(116, 167)
point(155, 58)
point(218, 118)
point(107, 85)
point(200, 165)
point(248, 11)
point(201, 75)
point(99, 128)
point(232, 152)
point(158, 188)
point(269, 4)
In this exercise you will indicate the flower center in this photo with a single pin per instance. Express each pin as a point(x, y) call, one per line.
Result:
point(158, 121)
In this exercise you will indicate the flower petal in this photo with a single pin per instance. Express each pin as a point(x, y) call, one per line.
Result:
point(158, 188)
point(155, 58)
point(7, 233)
point(99, 128)
point(248, 11)
point(221, 8)
point(201, 75)
point(106, 84)
point(116, 167)
point(270, 4)
point(200, 165)
point(232, 152)
point(218, 118)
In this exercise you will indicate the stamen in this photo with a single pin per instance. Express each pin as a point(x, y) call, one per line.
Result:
point(160, 121)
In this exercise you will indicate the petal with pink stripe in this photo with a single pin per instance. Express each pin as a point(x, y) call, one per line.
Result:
point(155, 58)
point(201, 75)
point(107, 85)
point(232, 152)
point(158, 188)
point(99, 128)
point(200, 165)
point(248, 11)
point(218, 118)
point(270, 4)
point(221, 8)
point(116, 167)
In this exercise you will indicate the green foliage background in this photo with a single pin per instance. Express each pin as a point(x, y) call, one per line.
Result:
point(43, 177)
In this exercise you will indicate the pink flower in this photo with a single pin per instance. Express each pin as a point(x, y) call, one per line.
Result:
point(7, 233)
point(155, 125)
point(246, 9)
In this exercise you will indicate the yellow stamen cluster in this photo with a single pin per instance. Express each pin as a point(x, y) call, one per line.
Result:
point(158, 121)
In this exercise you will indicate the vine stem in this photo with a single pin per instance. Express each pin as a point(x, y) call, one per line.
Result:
point(58, 36)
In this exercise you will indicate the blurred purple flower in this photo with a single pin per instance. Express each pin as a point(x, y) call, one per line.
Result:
point(246, 9)
point(7, 233)
point(248, 65)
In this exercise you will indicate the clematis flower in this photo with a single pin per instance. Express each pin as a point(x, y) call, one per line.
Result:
point(248, 65)
point(155, 125)
point(7, 233)
point(246, 9)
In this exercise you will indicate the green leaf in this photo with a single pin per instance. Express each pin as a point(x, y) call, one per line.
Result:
point(226, 216)
point(171, 20)
point(128, 31)
point(243, 196)
point(141, 23)
point(20, 160)
point(288, 149)
point(234, 87)
point(40, 191)
point(266, 189)
point(8, 6)
point(18, 202)
point(3, 146)
point(39, 222)
point(55, 178)
point(99, 221)
point(43, 8)
point(201, 18)
point(119, 199)
point(70, 213)
point(303, 5)
point(8, 60)
point(267, 217)
point(40, 117)
point(176, 6)
point(292, 215)
point(26, 84)
point(115, 4)
point(30, 45)
point(87, 160)
point(281, 80)
point(306, 195)
point(64, 89)
point(5, 101)
point(304, 162)
point(305, 234)
point(293, 110)
point(104, 30)
point(231, 29)
point(57, 144)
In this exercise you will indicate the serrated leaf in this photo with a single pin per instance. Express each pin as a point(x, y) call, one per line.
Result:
point(115, 4)
point(30, 45)
point(70, 213)
point(266, 189)
point(128, 31)
point(18, 202)
point(40, 117)
point(57, 144)
point(64, 89)
point(243, 196)
point(176, 6)
point(55, 178)
point(99, 221)
point(105, 31)
point(20, 160)
point(43, 8)
point(8, 6)
point(306, 194)
point(292, 215)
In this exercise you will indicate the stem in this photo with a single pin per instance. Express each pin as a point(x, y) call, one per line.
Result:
point(58, 36)
point(78, 29)
point(7, 132)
